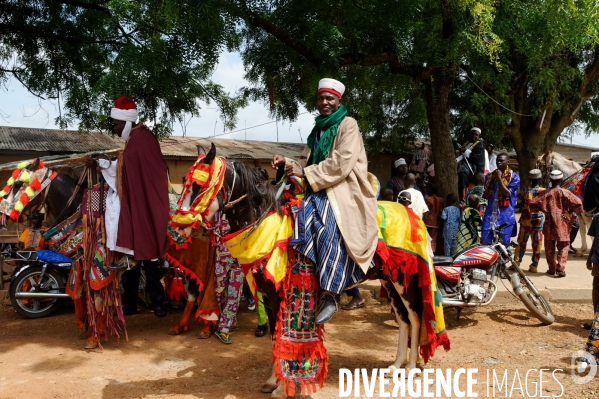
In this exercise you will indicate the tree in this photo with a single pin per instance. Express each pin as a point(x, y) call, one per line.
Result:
point(548, 76)
point(85, 53)
point(405, 53)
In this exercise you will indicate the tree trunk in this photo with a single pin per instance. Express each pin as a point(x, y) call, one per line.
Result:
point(529, 146)
point(438, 86)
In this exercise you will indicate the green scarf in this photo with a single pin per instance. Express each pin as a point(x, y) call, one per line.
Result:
point(328, 125)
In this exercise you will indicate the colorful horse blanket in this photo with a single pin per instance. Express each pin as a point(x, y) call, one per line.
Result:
point(405, 250)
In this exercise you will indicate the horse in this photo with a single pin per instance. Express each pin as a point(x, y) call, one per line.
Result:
point(249, 205)
point(64, 196)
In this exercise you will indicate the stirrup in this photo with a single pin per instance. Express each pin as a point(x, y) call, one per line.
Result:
point(123, 264)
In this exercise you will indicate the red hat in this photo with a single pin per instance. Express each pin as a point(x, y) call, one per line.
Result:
point(124, 102)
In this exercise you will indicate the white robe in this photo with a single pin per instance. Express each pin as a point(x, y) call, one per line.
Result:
point(113, 206)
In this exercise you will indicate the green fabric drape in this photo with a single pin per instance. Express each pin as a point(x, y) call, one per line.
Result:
point(328, 125)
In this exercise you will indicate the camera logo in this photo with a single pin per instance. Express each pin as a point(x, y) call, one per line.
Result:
point(583, 362)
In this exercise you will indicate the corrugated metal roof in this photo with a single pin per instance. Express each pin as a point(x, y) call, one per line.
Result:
point(177, 146)
point(73, 141)
point(54, 140)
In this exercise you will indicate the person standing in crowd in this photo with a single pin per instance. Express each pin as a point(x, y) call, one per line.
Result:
point(472, 161)
point(418, 205)
point(397, 182)
point(558, 205)
point(386, 194)
point(421, 159)
point(573, 232)
point(32, 238)
point(431, 219)
point(405, 198)
point(478, 190)
point(137, 205)
point(593, 266)
point(339, 199)
point(501, 190)
point(469, 224)
point(228, 279)
point(451, 218)
point(531, 224)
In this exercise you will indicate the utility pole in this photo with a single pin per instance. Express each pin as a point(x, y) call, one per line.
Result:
point(246, 130)
point(277, 123)
point(214, 134)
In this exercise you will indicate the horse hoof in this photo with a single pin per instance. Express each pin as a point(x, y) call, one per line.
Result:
point(204, 335)
point(579, 254)
point(82, 333)
point(176, 330)
point(91, 344)
point(268, 388)
point(279, 392)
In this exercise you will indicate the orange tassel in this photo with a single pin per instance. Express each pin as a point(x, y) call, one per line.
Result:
point(35, 184)
point(24, 199)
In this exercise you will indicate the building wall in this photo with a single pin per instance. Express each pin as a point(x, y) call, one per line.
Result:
point(577, 154)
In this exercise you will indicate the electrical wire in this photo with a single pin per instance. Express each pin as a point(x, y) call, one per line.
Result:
point(491, 98)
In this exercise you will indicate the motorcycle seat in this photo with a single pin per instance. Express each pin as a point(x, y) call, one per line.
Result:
point(442, 260)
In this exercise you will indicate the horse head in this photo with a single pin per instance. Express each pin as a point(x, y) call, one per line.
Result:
point(214, 184)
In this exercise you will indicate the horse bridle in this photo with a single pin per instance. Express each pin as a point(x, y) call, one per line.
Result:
point(230, 204)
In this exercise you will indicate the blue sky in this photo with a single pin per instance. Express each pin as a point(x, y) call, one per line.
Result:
point(20, 108)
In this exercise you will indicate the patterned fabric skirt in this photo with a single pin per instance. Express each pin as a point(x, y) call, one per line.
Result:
point(299, 354)
point(323, 244)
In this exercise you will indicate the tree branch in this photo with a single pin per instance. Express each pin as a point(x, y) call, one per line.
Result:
point(46, 34)
point(284, 37)
point(89, 6)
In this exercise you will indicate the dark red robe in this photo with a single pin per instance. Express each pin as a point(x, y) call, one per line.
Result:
point(144, 197)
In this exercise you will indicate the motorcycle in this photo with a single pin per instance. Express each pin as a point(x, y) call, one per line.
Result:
point(37, 288)
point(469, 279)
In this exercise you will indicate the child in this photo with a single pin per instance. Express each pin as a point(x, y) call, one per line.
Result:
point(431, 219)
point(386, 195)
point(32, 236)
point(469, 224)
point(451, 217)
point(405, 198)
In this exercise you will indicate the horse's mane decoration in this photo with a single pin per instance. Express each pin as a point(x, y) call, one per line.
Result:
point(28, 180)
point(210, 179)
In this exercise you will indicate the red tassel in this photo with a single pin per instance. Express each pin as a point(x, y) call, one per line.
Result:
point(14, 215)
point(41, 164)
point(16, 173)
point(24, 199)
point(6, 189)
point(35, 184)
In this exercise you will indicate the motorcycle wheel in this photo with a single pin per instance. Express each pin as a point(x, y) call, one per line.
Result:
point(537, 305)
point(36, 308)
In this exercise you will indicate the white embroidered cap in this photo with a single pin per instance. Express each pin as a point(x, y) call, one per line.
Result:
point(332, 86)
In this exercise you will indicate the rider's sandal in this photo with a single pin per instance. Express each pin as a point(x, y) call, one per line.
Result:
point(561, 274)
point(224, 337)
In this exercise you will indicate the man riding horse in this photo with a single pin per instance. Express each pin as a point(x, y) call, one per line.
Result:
point(339, 210)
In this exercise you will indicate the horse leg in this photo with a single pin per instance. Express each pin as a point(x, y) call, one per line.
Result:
point(414, 324)
point(93, 342)
point(271, 384)
point(402, 345)
point(183, 322)
point(583, 221)
point(80, 317)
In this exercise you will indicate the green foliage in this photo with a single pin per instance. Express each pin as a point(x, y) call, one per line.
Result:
point(161, 53)
point(381, 50)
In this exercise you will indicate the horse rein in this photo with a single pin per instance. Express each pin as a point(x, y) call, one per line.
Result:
point(230, 204)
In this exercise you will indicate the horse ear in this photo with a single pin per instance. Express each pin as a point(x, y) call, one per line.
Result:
point(211, 155)
point(201, 150)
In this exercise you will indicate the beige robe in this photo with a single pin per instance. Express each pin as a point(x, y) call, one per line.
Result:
point(344, 174)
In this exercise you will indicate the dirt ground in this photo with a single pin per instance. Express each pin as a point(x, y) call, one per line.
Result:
point(44, 359)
